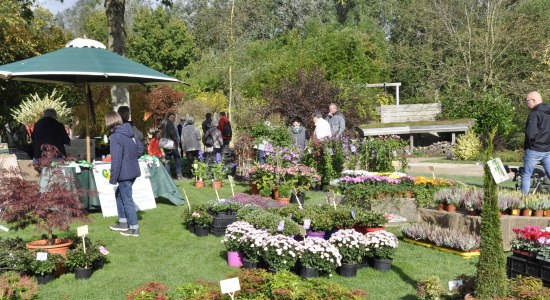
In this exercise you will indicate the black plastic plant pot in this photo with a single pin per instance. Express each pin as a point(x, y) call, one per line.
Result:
point(82, 273)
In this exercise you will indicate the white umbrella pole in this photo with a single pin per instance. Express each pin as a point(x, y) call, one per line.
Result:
point(87, 122)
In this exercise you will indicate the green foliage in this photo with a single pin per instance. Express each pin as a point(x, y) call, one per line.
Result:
point(277, 136)
point(430, 288)
point(13, 255)
point(45, 267)
point(77, 258)
point(32, 108)
point(16, 287)
point(467, 146)
point(491, 272)
point(528, 288)
point(379, 153)
point(160, 41)
point(285, 190)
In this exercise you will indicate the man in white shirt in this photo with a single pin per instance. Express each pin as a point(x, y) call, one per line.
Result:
point(322, 127)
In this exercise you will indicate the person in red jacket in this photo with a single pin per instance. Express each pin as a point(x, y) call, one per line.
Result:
point(224, 126)
point(153, 149)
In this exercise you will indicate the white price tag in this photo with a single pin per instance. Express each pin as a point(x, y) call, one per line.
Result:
point(4, 228)
point(230, 285)
point(453, 284)
point(42, 256)
point(497, 170)
point(82, 230)
point(307, 223)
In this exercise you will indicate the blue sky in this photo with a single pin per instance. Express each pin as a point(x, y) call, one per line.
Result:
point(56, 6)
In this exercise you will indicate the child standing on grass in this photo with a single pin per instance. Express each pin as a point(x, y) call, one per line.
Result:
point(125, 151)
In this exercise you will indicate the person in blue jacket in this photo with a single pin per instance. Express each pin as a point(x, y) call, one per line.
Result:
point(125, 151)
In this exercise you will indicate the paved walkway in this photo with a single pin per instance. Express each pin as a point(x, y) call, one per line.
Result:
point(421, 165)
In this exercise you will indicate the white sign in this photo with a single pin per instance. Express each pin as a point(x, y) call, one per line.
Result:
point(82, 230)
point(454, 284)
point(497, 170)
point(41, 256)
point(230, 285)
point(142, 192)
point(4, 228)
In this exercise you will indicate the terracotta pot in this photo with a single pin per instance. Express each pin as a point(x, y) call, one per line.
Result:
point(515, 212)
point(217, 185)
point(451, 207)
point(441, 206)
point(60, 246)
point(526, 212)
point(547, 213)
point(284, 200)
point(254, 189)
point(276, 194)
point(538, 213)
point(199, 184)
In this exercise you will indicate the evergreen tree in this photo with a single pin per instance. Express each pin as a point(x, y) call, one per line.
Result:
point(491, 269)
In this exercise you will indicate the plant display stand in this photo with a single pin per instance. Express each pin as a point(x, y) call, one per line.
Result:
point(221, 221)
point(516, 265)
point(468, 254)
point(462, 222)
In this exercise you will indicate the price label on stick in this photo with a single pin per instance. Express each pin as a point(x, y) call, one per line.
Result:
point(230, 285)
point(307, 223)
point(353, 213)
point(281, 226)
point(497, 170)
point(42, 256)
point(82, 230)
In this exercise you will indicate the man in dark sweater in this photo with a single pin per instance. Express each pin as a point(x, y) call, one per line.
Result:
point(49, 131)
point(537, 139)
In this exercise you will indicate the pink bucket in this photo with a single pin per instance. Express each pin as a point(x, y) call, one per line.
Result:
point(234, 259)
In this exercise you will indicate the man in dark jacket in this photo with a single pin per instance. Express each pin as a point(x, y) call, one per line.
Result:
point(49, 131)
point(170, 131)
point(537, 139)
point(207, 122)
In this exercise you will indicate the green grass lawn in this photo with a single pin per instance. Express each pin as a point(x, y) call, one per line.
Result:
point(166, 252)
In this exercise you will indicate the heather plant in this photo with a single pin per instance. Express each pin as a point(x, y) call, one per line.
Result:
point(472, 199)
point(256, 200)
point(319, 254)
point(223, 206)
point(444, 237)
point(508, 199)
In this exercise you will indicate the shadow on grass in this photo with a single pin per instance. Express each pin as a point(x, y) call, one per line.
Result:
point(406, 278)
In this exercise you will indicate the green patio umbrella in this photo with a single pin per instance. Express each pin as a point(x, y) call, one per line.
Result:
point(83, 62)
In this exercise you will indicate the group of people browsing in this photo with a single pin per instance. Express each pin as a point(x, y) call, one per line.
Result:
point(188, 139)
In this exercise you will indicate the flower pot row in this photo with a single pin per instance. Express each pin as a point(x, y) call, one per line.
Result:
point(215, 185)
point(238, 260)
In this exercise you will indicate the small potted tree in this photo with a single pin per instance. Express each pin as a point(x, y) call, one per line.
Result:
point(53, 206)
point(218, 172)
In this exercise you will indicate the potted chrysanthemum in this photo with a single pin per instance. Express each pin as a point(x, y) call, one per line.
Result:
point(382, 246)
point(231, 240)
point(251, 246)
point(318, 255)
point(280, 252)
point(353, 247)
